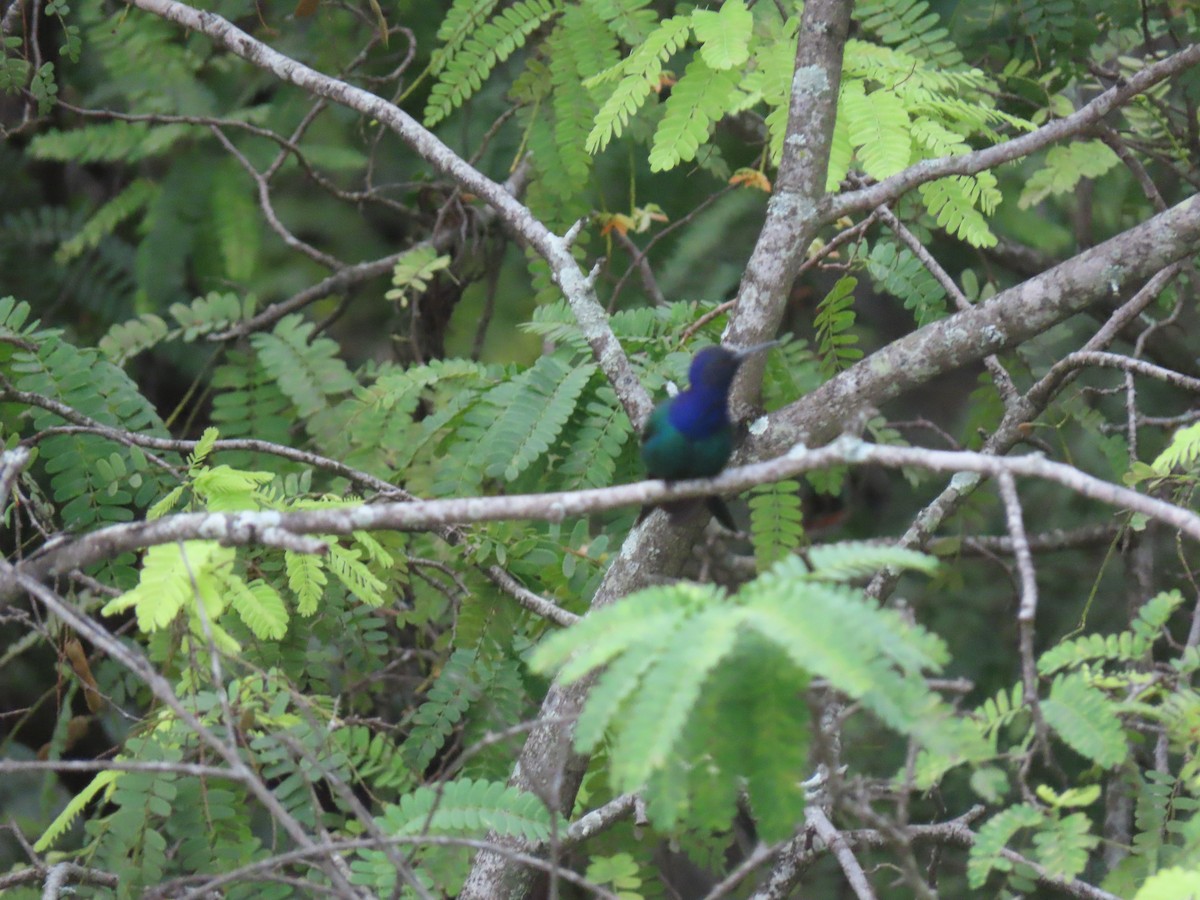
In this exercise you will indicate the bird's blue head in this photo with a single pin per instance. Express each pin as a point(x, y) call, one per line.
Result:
point(713, 368)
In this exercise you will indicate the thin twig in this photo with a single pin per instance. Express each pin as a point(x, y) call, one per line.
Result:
point(1027, 611)
point(851, 868)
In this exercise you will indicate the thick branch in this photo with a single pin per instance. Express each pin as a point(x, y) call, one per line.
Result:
point(1006, 320)
point(792, 221)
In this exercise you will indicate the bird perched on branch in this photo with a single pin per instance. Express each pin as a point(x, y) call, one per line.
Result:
point(690, 435)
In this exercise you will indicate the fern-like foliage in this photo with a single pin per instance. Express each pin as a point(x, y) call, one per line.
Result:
point(596, 442)
point(102, 782)
point(961, 203)
point(466, 808)
point(1062, 841)
point(307, 371)
point(165, 587)
point(697, 101)
point(92, 478)
point(1182, 452)
point(234, 224)
point(638, 75)
point(131, 200)
point(663, 649)
point(514, 425)
point(898, 272)
point(837, 346)
point(249, 403)
point(109, 141)
point(1127, 646)
point(213, 312)
point(776, 522)
point(878, 128)
point(1169, 884)
point(463, 71)
point(911, 27)
point(993, 838)
point(413, 272)
point(1065, 165)
point(457, 686)
point(1064, 844)
point(904, 97)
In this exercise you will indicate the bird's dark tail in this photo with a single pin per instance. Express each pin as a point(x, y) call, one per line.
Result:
point(720, 512)
point(716, 506)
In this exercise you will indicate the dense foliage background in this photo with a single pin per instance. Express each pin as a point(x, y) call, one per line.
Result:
point(305, 309)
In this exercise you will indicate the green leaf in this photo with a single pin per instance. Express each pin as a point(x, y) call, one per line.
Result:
point(911, 27)
point(898, 271)
point(952, 202)
point(523, 432)
point(1182, 452)
point(124, 142)
point(641, 70)
point(849, 560)
point(993, 838)
point(172, 577)
point(306, 578)
point(604, 633)
point(1065, 165)
point(76, 805)
point(1086, 720)
point(878, 126)
point(836, 345)
point(413, 272)
point(306, 370)
point(260, 607)
point(776, 522)
point(1169, 884)
point(104, 221)
point(225, 489)
point(724, 35)
point(468, 807)
point(462, 73)
point(697, 101)
point(235, 222)
point(649, 730)
point(457, 686)
point(1064, 844)
point(344, 563)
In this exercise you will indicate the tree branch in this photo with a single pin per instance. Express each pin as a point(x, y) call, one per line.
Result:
point(288, 529)
point(1085, 117)
point(1006, 320)
point(575, 285)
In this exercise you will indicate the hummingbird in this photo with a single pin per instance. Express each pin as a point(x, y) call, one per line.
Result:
point(690, 435)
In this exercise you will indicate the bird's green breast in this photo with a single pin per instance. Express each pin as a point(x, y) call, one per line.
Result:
point(669, 454)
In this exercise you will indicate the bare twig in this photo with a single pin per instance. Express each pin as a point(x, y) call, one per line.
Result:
point(207, 884)
point(263, 187)
point(1027, 611)
point(851, 868)
point(642, 264)
point(1011, 428)
point(61, 873)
